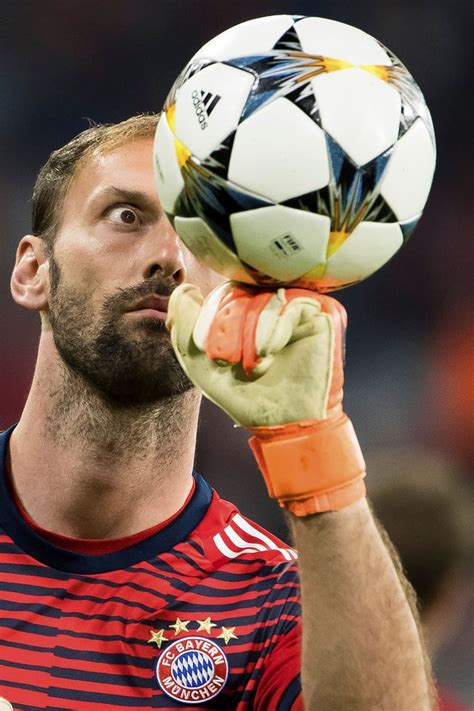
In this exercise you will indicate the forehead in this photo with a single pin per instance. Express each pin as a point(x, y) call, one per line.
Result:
point(129, 166)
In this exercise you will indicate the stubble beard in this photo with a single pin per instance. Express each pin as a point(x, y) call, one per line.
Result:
point(126, 365)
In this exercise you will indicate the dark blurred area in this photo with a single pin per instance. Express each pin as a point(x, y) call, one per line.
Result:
point(426, 509)
point(410, 350)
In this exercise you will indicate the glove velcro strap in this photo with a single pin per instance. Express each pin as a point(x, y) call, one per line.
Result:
point(311, 469)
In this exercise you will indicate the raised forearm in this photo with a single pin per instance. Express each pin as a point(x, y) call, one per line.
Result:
point(361, 644)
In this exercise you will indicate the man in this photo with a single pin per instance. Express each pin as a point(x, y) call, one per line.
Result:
point(127, 582)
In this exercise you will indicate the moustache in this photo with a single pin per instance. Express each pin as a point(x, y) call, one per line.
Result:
point(124, 298)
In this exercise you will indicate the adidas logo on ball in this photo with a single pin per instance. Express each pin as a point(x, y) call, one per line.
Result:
point(204, 104)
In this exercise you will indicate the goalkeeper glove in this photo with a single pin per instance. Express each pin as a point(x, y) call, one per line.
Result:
point(273, 360)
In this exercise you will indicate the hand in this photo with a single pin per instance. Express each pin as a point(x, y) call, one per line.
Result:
point(273, 360)
point(264, 357)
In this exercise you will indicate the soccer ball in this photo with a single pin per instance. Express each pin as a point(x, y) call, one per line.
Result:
point(294, 151)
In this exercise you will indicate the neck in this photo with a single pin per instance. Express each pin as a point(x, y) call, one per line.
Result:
point(88, 469)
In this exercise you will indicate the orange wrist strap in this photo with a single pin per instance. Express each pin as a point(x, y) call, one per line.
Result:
point(311, 467)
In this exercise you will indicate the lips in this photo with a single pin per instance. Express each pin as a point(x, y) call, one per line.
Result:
point(156, 303)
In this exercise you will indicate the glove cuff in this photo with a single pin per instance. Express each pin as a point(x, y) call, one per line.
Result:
point(311, 467)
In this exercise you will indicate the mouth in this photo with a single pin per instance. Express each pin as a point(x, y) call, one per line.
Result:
point(154, 307)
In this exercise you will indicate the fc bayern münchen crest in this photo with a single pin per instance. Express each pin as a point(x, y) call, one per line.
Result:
point(192, 669)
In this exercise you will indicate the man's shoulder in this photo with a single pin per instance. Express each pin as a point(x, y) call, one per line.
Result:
point(227, 536)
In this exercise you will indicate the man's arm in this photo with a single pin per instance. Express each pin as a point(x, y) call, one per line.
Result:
point(274, 361)
point(362, 650)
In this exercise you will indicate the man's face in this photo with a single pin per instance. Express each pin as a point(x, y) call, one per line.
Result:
point(115, 249)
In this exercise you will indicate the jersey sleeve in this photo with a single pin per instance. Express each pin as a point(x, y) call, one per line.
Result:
point(279, 688)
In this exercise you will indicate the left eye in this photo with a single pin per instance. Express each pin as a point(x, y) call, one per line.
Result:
point(124, 216)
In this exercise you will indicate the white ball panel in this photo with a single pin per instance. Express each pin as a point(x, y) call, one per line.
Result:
point(279, 152)
point(251, 37)
point(408, 176)
point(208, 248)
point(200, 132)
point(360, 111)
point(169, 181)
point(366, 250)
point(281, 241)
point(339, 41)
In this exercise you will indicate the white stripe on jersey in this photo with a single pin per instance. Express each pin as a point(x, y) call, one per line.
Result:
point(221, 545)
point(290, 553)
point(240, 543)
point(234, 545)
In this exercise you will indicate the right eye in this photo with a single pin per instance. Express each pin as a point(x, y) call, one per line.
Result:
point(124, 215)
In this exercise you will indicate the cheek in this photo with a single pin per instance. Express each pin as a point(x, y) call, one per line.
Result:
point(78, 264)
point(84, 272)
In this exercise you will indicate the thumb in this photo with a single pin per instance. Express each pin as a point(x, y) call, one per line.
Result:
point(184, 308)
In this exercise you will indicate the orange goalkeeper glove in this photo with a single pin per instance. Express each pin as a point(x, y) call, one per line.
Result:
point(273, 360)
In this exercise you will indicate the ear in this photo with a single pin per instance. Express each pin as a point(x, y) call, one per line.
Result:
point(30, 278)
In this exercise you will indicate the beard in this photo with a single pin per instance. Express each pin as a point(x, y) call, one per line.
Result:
point(127, 364)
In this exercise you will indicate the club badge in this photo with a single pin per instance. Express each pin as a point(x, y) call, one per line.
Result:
point(192, 669)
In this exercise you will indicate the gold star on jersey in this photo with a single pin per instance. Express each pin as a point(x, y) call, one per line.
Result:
point(180, 626)
point(206, 625)
point(157, 637)
point(227, 634)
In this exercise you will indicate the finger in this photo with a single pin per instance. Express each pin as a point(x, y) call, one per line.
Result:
point(282, 322)
point(207, 315)
point(268, 322)
point(220, 329)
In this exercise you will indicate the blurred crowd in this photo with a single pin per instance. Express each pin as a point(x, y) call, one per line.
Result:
point(410, 350)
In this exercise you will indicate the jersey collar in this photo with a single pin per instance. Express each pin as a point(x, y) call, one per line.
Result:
point(69, 561)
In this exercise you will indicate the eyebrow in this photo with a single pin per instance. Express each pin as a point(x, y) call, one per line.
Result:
point(134, 197)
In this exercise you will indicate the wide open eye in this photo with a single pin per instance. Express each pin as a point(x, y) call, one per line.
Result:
point(124, 215)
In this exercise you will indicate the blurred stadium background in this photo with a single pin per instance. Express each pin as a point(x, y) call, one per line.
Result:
point(410, 350)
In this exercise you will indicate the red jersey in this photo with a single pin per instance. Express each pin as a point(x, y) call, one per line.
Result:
point(203, 614)
point(447, 702)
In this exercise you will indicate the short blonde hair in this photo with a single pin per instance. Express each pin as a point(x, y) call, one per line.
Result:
point(55, 176)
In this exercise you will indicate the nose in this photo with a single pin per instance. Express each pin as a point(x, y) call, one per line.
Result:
point(165, 254)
